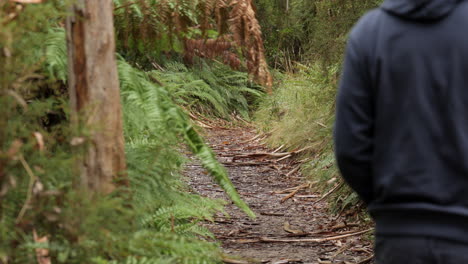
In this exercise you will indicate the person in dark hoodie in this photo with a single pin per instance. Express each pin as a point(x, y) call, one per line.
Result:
point(401, 129)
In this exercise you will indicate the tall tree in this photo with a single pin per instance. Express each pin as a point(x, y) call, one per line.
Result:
point(94, 92)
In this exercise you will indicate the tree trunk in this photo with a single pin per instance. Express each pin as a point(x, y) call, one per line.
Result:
point(94, 93)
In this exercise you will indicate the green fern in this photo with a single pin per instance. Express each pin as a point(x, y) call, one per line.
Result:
point(56, 51)
point(149, 108)
point(157, 110)
point(212, 89)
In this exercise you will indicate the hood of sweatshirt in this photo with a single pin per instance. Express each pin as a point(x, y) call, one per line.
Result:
point(423, 10)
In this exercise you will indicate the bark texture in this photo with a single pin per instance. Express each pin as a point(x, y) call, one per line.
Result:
point(94, 93)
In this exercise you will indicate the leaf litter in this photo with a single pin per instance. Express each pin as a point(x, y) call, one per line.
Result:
point(293, 224)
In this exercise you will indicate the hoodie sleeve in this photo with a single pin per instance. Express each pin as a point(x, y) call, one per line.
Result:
point(353, 134)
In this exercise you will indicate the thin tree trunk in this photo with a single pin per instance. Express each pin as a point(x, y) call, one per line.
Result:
point(94, 93)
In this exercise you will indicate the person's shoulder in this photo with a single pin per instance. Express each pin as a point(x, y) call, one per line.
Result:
point(367, 24)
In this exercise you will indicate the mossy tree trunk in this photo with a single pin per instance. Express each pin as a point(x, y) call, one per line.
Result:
point(94, 93)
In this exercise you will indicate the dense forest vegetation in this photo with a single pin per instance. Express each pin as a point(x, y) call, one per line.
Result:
point(71, 193)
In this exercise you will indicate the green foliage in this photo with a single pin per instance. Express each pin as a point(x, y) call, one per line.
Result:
point(213, 90)
point(157, 219)
point(153, 111)
point(308, 30)
point(301, 114)
point(150, 29)
point(56, 54)
point(301, 111)
point(32, 177)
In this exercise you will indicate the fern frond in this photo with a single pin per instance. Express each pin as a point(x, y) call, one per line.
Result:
point(56, 54)
point(158, 108)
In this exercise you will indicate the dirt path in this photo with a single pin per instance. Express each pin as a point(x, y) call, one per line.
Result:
point(260, 182)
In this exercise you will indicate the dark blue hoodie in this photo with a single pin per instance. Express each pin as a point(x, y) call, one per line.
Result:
point(401, 132)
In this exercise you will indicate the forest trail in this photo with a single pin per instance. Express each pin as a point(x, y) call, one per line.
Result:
point(285, 206)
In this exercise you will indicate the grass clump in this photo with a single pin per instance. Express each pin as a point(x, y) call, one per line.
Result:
point(300, 114)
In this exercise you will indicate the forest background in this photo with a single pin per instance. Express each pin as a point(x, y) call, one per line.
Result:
point(175, 59)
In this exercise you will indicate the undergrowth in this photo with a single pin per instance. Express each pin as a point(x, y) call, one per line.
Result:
point(209, 89)
point(300, 114)
point(157, 219)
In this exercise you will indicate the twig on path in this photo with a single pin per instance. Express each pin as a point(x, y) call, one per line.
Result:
point(288, 190)
point(302, 150)
point(278, 149)
point(302, 186)
point(306, 160)
point(235, 261)
point(274, 154)
point(198, 120)
point(343, 225)
point(287, 227)
point(240, 164)
point(308, 196)
point(306, 240)
point(341, 250)
point(271, 214)
point(328, 193)
point(366, 260)
point(283, 158)
point(262, 154)
point(292, 171)
point(201, 124)
point(252, 139)
point(286, 261)
point(289, 196)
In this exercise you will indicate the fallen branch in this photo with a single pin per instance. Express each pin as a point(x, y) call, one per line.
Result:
point(320, 124)
point(289, 174)
point(288, 190)
point(227, 163)
point(341, 250)
point(328, 193)
point(308, 196)
point(201, 124)
point(366, 260)
point(287, 227)
point(302, 150)
point(343, 225)
point(278, 149)
point(273, 154)
point(263, 154)
point(234, 261)
point(272, 214)
point(252, 139)
point(305, 240)
point(286, 261)
point(283, 158)
point(289, 196)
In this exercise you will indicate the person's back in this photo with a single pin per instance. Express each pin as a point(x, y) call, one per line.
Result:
point(401, 133)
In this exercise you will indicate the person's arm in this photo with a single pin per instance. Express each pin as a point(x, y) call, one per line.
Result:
point(353, 134)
